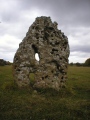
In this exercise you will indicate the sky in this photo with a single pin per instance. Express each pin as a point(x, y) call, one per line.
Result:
point(72, 16)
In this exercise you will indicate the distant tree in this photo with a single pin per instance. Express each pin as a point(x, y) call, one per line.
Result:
point(3, 62)
point(71, 64)
point(87, 62)
point(78, 64)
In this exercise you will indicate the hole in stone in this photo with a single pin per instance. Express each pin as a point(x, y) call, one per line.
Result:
point(37, 37)
point(54, 50)
point(52, 71)
point(35, 48)
point(62, 77)
point(37, 56)
point(18, 69)
point(46, 76)
point(42, 78)
point(16, 59)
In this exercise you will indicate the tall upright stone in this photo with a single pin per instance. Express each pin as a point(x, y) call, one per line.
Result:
point(51, 45)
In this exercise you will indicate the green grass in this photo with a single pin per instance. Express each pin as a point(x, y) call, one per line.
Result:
point(71, 103)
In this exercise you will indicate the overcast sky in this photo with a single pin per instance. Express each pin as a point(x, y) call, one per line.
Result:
point(73, 17)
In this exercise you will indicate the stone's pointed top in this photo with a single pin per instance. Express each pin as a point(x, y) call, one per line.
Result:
point(43, 17)
point(51, 45)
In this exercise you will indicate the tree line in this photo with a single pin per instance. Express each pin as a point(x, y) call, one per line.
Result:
point(3, 62)
point(86, 63)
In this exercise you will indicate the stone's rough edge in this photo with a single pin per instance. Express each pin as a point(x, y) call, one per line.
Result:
point(51, 44)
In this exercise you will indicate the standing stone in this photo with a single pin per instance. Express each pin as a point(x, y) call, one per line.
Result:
point(51, 45)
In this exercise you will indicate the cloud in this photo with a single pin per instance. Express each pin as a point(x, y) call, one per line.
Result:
point(8, 11)
point(79, 41)
point(8, 46)
point(78, 57)
point(73, 19)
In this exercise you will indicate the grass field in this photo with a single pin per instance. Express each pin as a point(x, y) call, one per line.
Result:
point(71, 103)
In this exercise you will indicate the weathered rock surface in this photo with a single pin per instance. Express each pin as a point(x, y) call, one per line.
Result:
point(44, 38)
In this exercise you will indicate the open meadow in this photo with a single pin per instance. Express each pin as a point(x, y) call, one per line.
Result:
point(70, 103)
